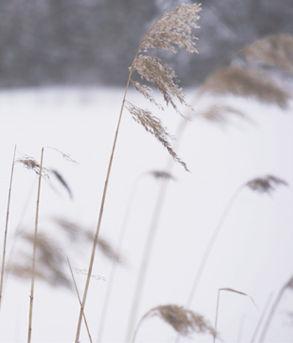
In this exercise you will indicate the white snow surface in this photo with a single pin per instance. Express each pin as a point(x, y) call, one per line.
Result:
point(252, 254)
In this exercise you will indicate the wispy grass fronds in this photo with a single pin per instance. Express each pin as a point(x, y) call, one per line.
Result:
point(182, 320)
point(6, 228)
point(154, 125)
point(273, 51)
point(171, 31)
point(266, 184)
point(51, 261)
point(246, 83)
point(66, 156)
point(218, 302)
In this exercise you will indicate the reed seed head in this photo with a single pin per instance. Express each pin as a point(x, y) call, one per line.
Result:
point(171, 31)
point(182, 320)
point(266, 184)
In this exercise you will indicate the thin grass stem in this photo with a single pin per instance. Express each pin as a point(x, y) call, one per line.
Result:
point(6, 228)
point(34, 251)
point(77, 293)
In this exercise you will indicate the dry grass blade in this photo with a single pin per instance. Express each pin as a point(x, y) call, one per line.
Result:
point(183, 321)
point(153, 125)
point(218, 302)
point(238, 292)
point(61, 179)
point(266, 184)
point(273, 51)
point(246, 83)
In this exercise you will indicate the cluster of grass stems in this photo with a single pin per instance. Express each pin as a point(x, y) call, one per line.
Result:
point(174, 29)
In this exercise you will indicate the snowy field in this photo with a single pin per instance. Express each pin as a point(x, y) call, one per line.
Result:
point(253, 253)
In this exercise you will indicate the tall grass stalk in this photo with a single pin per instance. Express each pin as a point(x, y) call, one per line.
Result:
point(6, 228)
point(100, 216)
point(34, 251)
point(173, 28)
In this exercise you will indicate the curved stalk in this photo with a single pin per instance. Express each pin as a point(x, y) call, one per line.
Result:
point(6, 229)
point(34, 251)
point(210, 246)
point(273, 308)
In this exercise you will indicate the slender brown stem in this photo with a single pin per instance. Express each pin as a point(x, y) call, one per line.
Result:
point(104, 194)
point(100, 216)
point(77, 293)
point(6, 229)
point(34, 251)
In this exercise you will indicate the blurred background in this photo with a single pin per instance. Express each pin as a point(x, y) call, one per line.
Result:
point(92, 42)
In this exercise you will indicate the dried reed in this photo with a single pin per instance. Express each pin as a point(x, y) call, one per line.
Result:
point(6, 228)
point(173, 28)
point(182, 320)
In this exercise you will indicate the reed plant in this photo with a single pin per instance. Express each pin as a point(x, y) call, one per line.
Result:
point(173, 29)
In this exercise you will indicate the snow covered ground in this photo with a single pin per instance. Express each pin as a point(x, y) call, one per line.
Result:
point(253, 253)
